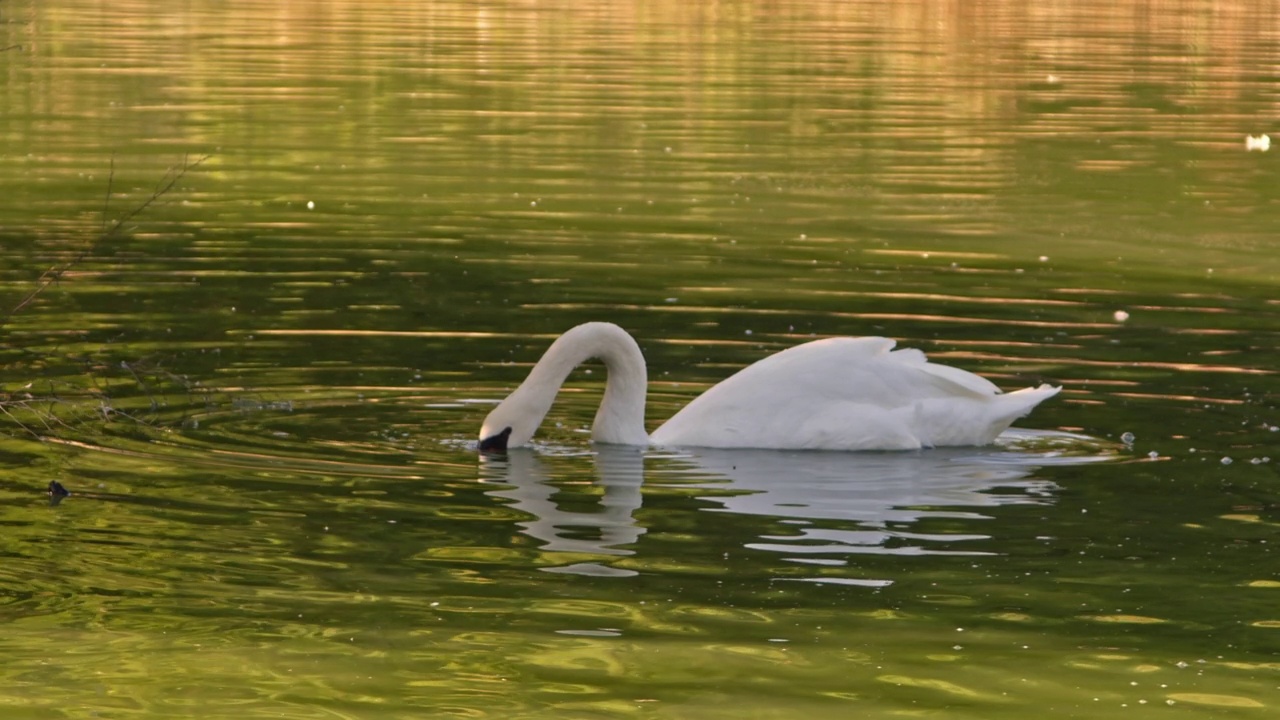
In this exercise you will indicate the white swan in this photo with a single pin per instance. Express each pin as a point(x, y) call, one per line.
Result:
point(834, 394)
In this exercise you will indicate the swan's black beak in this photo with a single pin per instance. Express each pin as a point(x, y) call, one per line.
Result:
point(495, 443)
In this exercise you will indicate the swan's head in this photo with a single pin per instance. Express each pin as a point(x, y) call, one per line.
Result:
point(510, 424)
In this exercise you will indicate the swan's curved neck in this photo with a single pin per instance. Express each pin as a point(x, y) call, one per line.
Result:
point(620, 418)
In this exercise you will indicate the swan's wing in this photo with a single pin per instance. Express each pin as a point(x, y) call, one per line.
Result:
point(945, 375)
point(845, 393)
point(864, 370)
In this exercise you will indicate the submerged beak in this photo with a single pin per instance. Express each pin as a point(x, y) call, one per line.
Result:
point(495, 443)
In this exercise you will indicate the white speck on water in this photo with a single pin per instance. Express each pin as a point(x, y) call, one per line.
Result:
point(1044, 258)
point(748, 332)
point(1226, 461)
point(1262, 143)
point(1127, 438)
point(311, 205)
point(1120, 315)
point(1153, 455)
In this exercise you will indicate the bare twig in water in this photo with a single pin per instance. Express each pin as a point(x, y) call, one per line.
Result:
point(42, 410)
point(55, 273)
point(170, 179)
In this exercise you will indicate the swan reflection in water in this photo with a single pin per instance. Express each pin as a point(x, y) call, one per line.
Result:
point(838, 503)
point(619, 473)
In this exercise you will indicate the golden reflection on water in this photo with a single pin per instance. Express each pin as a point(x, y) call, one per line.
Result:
point(941, 74)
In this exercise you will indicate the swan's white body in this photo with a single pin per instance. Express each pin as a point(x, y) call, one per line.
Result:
point(834, 394)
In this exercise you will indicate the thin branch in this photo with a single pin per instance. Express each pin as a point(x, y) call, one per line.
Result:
point(4, 408)
point(45, 414)
point(55, 273)
point(171, 178)
point(142, 384)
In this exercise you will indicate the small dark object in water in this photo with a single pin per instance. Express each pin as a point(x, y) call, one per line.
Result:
point(57, 492)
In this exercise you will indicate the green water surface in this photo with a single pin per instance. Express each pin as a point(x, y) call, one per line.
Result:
point(263, 389)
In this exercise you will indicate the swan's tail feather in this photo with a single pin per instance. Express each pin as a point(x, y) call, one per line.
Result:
point(1021, 402)
point(960, 422)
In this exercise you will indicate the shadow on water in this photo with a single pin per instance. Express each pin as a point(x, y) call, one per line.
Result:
point(837, 503)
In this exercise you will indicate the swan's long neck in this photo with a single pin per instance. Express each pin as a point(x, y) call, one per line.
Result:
point(620, 418)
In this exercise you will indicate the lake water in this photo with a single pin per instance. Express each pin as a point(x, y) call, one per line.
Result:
point(263, 389)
